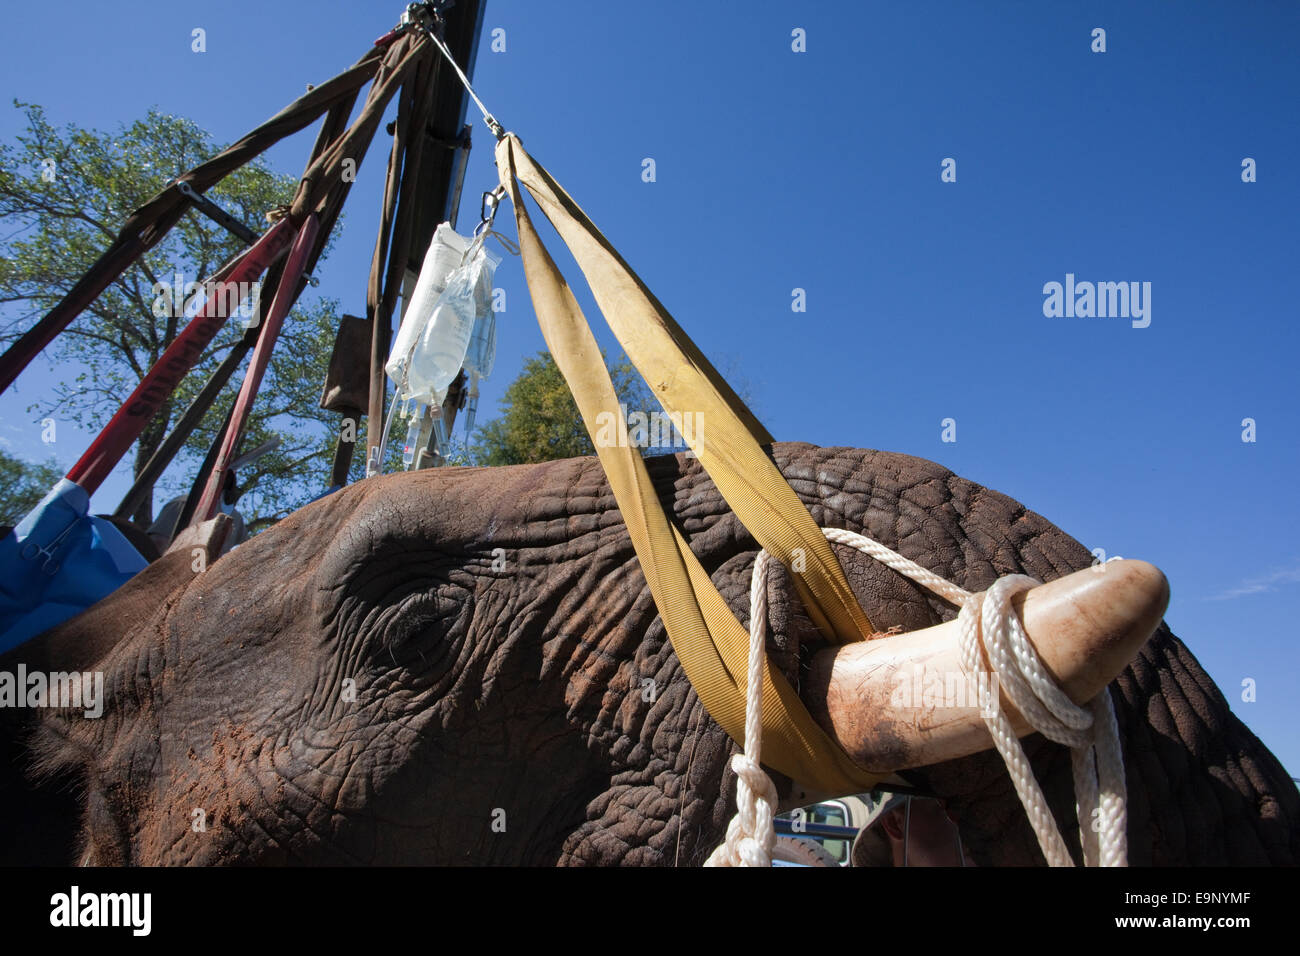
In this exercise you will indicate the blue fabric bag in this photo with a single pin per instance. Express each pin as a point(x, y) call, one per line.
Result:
point(59, 561)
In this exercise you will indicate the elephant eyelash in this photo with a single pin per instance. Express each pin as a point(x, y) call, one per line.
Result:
point(418, 621)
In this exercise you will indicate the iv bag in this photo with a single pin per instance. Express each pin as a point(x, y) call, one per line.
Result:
point(440, 350)
point(482, 352)
point(443, 257)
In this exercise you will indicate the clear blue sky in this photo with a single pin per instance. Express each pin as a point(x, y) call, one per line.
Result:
point(821, 170)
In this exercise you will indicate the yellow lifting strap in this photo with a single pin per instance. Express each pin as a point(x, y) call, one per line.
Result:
point(708, 639)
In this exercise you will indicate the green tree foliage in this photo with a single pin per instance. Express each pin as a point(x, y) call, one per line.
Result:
point(539, 419)
point(64, 194)
point(22, 485)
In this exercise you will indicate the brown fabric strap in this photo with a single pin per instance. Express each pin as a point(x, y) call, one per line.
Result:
point(283, 301)
point(392, 246)
point(326, 173)
point(711, 644)
point(322, 191)
point(150, 222)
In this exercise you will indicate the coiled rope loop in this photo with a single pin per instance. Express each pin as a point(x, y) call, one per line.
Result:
point(1090, 732)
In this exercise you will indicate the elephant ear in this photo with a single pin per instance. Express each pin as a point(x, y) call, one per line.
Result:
point(44, 785)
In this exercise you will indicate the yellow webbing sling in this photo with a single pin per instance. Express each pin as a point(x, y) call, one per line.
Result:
point(711, 644)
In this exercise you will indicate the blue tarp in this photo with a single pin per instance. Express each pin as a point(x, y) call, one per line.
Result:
point(58, 562)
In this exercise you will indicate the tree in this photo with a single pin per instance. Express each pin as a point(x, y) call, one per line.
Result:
point(22, 486)
point(63, 196)
point(540, 420)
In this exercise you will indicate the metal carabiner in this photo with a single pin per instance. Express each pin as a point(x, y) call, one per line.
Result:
point(488, 208)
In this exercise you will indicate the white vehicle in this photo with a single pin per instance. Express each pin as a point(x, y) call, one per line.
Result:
point(821, 834)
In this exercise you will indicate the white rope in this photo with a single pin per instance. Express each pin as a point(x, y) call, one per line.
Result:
point(1090, 732)
point(751, 834)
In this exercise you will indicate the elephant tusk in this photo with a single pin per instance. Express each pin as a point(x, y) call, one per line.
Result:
point(904, 700)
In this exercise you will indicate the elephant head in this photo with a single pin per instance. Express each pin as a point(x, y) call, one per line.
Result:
point(466, 666)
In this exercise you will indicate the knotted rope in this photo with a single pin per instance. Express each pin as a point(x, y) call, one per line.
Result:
point(751, 833)
point(1090, 732)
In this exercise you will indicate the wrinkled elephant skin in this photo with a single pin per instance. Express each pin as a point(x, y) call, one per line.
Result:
point(465, 666)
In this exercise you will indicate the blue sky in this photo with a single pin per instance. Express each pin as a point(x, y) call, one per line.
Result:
point(820, 170)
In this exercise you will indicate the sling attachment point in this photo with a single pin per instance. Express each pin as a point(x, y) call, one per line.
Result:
point(422, 16)
point(492, 199)
point(489, 206)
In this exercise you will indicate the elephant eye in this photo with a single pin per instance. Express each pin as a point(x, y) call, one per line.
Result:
point(414, 630)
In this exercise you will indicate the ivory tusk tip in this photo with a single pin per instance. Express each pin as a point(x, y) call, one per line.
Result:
point(1141, 591)
point(905, 700)
point(1088, 626)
